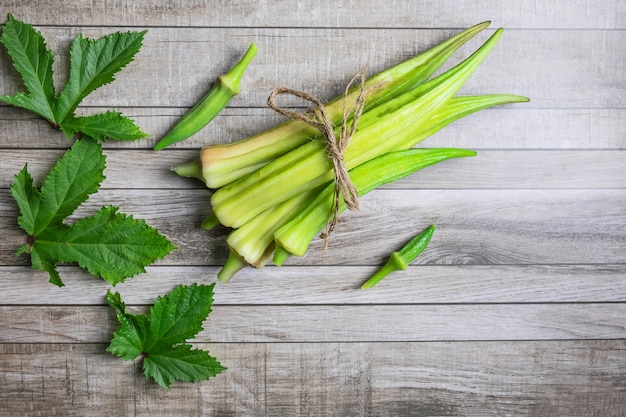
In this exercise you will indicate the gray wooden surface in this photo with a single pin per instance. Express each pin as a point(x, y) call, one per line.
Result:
point(517, 307)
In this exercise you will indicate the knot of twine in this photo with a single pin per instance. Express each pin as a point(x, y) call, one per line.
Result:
point(335, 146)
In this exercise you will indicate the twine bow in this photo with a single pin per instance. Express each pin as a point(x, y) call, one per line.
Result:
point(335, 146)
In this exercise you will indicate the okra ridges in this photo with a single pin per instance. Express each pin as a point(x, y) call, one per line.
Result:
point(276, 189)
point(296, 235)
point(229, 162)
point(238, 202)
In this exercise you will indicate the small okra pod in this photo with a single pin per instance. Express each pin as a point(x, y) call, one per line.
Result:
point(226, 87)
point(399, 260)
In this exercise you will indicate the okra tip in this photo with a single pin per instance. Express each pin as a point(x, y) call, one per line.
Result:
point(482, 25)
point(232, 78)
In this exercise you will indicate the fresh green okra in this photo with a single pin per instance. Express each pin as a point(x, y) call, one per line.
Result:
point(296, 235)
point(226, 87)
point(400, 260)
point(238, 202)
point(265, 185)
point(224, 163)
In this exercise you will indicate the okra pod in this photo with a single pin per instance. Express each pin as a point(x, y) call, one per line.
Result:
point(225, 163)
point(400, 260)
point(236, 203)
point(296, 235)
point(226, 87)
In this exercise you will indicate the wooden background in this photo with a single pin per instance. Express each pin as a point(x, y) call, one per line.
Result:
point(517, 307)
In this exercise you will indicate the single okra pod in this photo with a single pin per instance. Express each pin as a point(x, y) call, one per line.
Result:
point(226, 87)
point(400, 260)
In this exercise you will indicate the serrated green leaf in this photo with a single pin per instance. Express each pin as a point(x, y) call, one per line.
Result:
point(45, 264)
point(161, 338)
point(27, 197)
point(108, 244)
point(128, 342)
point(109, 125)
point(115, 301)
point(179, 316)
point(33, 61)
point(75, 176)
point(181, 363)
point(94, 63)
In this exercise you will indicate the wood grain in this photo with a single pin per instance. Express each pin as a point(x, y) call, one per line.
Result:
point(163, 80)
point(326, 13)
point(489, 169)
point(319, 285)
point(518, 127)
point(516, 308)
point(533, 378)
point(474, 226)
point(338, 323)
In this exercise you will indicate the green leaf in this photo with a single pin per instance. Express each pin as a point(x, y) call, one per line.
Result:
point(94, 63)
point(182, 363)
point(105, 125)
point(179, 316)
point(108, 244)
point(128, 341)
point(161, 337)
point(33, 61)
point(27, 197)
point(76, 175)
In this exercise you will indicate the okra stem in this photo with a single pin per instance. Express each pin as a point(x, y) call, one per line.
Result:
point(400, 260)
point(226, 87)
point(280, 255)
point(234, 263)
point(192, 169)
point(210, 222)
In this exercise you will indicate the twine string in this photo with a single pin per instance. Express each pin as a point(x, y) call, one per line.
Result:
point(344, 189)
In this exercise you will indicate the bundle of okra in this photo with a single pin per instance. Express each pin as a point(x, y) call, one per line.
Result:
point(275, 189)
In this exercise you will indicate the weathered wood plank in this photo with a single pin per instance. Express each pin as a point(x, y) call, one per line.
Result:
point(483, 227)
point(86, 380)
point(607, 14)
point(452, 379)
point(556, 69)
point(301, 285)
point(510, 169)
point(505, 312)
point(330, 379)
point(518, 126)
point(341, 323)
